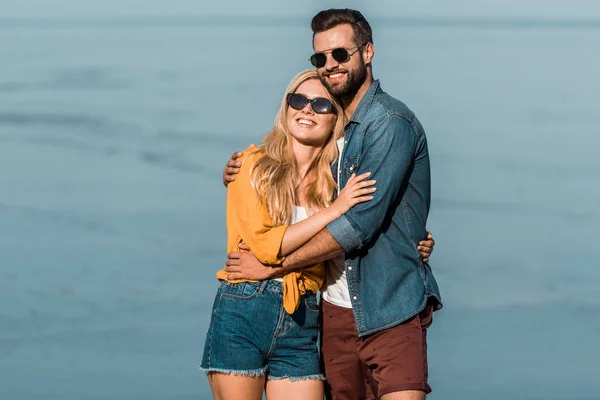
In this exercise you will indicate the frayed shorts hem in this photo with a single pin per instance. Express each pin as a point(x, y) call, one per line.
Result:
point(252, 373)
point(319, 377)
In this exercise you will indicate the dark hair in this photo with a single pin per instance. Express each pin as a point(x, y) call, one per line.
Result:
point(328, 19)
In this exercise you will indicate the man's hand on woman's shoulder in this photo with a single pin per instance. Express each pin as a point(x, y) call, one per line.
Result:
point(232, 167)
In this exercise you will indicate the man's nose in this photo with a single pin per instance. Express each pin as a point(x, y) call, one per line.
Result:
point(331, 63)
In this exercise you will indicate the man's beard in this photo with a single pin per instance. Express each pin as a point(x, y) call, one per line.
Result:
point(353, 83)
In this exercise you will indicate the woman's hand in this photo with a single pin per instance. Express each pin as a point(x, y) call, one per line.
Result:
point(426, 247)
point(357, 190)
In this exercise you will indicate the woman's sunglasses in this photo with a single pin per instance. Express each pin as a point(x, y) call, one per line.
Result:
point(340, 55)
point(320, 105)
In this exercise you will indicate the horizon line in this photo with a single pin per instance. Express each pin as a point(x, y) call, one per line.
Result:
point(136, 22)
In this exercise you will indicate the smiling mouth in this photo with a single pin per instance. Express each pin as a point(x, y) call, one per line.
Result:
point(305, 122)
point(336, 75)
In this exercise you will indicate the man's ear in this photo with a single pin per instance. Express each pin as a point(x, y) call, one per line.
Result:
point(368, 53)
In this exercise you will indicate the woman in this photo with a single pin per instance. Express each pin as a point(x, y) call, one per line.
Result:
point(264, 334)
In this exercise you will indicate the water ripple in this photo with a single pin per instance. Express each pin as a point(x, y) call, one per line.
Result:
point(77, 121)
point(513, 208)
point(173, 161)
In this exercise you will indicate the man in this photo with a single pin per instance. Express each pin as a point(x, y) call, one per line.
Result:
point(378, 302)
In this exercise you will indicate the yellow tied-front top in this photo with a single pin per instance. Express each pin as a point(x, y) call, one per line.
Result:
point(249, 221)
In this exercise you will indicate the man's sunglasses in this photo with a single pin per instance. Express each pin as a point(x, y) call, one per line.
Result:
point(341, 55)
point(320, 105)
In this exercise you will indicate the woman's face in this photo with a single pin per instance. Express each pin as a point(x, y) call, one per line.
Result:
point(306, 126)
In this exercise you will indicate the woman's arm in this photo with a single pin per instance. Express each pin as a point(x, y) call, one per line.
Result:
point(232, 169)
point(357, 190)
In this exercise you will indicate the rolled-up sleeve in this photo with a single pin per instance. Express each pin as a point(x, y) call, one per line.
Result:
point(344, 233)
point(388, 152)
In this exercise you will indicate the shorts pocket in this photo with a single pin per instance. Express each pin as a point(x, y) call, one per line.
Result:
point(310, 301)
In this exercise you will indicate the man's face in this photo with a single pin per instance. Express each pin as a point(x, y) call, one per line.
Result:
point(340, 78)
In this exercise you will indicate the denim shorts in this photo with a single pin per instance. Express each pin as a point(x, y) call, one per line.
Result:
point(251, 334)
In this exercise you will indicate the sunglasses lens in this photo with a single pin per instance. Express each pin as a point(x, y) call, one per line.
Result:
point(318, 60)
point(297, 101)
point(321, 105)
point(340, 55)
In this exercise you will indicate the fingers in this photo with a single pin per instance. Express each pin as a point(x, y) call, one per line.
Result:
point(425, 247)
point(351, 179)
point(232, 163)
point(232, 263)
point(363, 184)
point(235, 156)
point(233, 268)
point(355, 183)
point(363, 192)
point(425, 253)
point(232, 170)
point(363, 199)
point(361, 177)
point(243, 246)
point(357, 186)
point(426, 243)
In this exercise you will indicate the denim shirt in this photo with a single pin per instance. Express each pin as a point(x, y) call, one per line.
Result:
point(388, 281)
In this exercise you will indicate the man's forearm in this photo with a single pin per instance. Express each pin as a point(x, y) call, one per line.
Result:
point(320, 248)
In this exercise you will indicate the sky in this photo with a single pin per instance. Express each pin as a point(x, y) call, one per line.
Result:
point(557, 9)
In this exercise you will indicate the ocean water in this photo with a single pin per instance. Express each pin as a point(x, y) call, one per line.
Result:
point(113, 134)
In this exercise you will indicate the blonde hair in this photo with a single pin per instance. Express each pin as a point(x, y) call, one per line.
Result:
point(275, 175)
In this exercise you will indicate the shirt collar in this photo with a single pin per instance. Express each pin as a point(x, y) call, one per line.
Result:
point(365, 103)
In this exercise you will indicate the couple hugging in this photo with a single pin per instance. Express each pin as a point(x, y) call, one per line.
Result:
point(334, 200)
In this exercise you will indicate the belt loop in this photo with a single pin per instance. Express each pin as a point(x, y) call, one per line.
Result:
point(262, 286)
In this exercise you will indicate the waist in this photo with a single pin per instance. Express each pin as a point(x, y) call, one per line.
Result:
point(270, 285)
point(312, 276)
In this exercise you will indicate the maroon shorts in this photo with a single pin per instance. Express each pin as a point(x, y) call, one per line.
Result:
point(385, 362)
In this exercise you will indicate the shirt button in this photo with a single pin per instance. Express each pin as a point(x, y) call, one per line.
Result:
point(349, 268)
point(352, 168)
point(355, 298)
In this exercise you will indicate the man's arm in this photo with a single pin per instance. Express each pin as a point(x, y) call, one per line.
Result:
point(244, 265)
point(320, 248)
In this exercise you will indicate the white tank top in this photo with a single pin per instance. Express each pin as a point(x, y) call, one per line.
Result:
point(336, 289)
point(299, 215)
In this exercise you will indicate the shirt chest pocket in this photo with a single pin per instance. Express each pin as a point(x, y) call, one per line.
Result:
point(351, 164)
point(353, 153)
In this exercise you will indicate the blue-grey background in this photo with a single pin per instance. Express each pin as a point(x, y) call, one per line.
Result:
point(116, 118)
